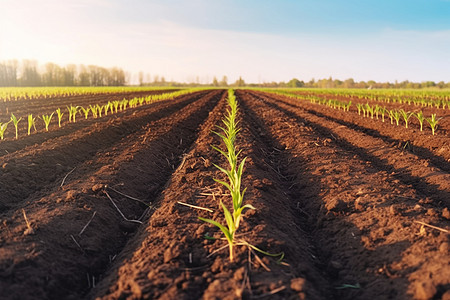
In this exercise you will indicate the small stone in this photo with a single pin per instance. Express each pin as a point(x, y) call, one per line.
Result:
point(446, 213)
point(239, 274)
point(97, 187)
point(298, 284)
point(431, 212)
point(393, 210)
point(444, 247)
point(417, 207)
point(336, 205)
point(358, 205)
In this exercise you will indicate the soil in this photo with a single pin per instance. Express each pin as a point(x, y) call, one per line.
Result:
point(340, 195)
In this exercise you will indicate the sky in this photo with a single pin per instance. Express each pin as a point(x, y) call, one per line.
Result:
point(260, 40)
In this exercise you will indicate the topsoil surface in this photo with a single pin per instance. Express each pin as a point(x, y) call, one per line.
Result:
point(359, 209)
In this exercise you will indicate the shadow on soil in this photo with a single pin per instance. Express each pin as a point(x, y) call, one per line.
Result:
point(337, 262)
point(421, 152)
point(429, 190)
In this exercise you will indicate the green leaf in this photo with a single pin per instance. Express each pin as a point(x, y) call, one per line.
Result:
point(225, 231)
point(228, 218)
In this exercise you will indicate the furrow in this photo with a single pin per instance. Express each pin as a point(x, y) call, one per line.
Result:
point(360, 219)
point(67, 261)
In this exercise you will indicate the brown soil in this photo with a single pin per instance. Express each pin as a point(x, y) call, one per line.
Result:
point(338, 194)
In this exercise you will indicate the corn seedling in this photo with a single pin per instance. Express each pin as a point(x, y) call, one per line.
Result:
point(420, 117)
point(106, 108)
point(234, 175)
point(47, 119)
point(73, 110)
point(433, 122)
point(377, 110)
point(359, 107)
point(60, 115)
point(347, 106)
point(3, 127)
point(124, 104)
point(99, 109)
point(391, 116)
point(116, 105)
point(31, 123)
point(396, 115)
point(16, 123)
point(383, 112)
point(370, 109)
point(94, 110)
point(85, 111)
point(406, 116)
point(111, 107)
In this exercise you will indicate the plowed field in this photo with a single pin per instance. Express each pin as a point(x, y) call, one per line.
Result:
point(345, 199)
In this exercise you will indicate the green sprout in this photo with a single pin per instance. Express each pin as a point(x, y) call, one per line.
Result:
point(31, 123)
point(420, 117)
point(16, 123)
point(60, 115)
point(3, 127)
point(47, 119)
point(433, 122)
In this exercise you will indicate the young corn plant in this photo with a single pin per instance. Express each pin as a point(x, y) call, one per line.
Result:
point(3, 127)
point(73, 111)
point(370, 109)
point(347, 106)
point(420, 117)
point(116, 105)
point(85, 112)
point(47, 119)
point(111, 107)
point(433, 122)
point(31, 123)
point(60, 115)
point(396, 115)
point(359, 106)
point(99, 109)
point(234, 174)
point(94, 111)
point(383, 111)
point(16, 123)
point(406, 115)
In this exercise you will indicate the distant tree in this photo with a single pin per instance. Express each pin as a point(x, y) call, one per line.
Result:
point(141, 78)
point(240, 82)
point(295, 83)
point(8, 73)
point(428, 84)
point(349, 83)
point(215, 82)
point(83, 76)
point(224, 81)
point(70, 73)
point(30, 75)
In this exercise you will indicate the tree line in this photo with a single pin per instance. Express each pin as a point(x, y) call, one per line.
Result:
point(29, 73)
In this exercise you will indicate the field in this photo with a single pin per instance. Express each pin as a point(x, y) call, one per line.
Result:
point(108, 207)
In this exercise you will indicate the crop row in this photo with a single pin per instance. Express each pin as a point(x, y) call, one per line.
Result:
point(437, 99)
point(27, 93)
point(93, 111)
point(367, 110)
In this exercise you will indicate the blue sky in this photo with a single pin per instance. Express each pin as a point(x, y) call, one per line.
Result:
point(260, 40)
